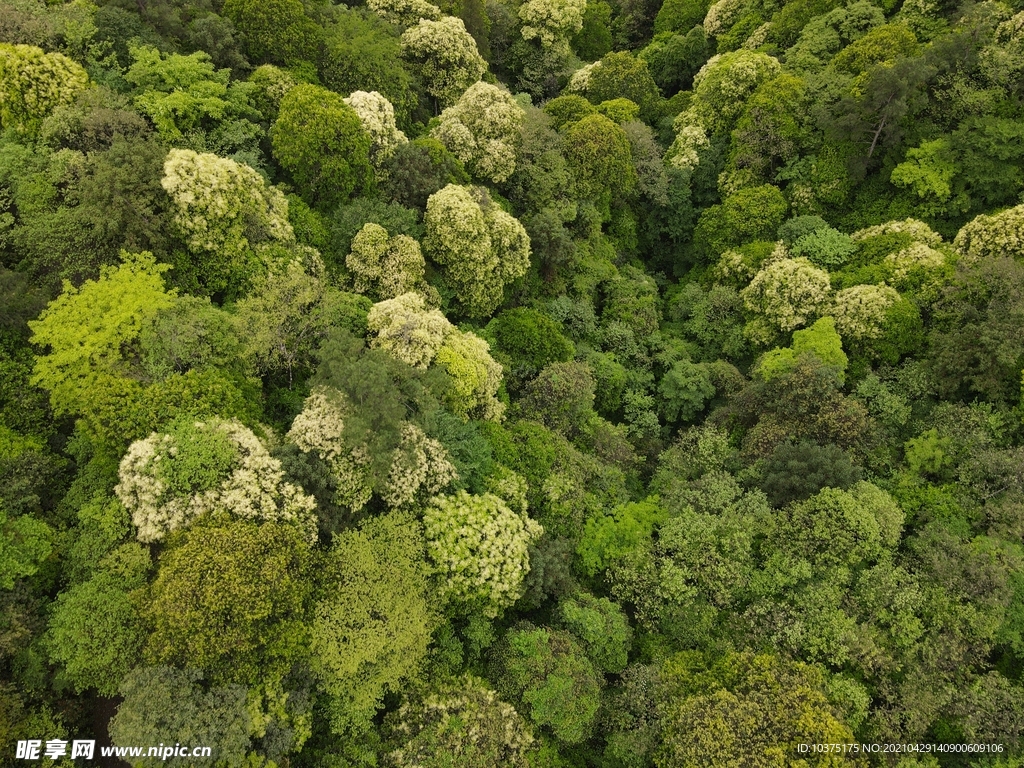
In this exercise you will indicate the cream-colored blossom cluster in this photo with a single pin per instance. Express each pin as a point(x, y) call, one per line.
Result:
point(722, 15)
point(860, 311)
point(385, 267)
point(481, 548)
point(378, 118)
point(482, 130)
point(221, 205)
point(689, 140)
point(758, 37)
point(789, 292)
point(721, 87)
point(318, 428)
point(420, 466)
point(733, 267)
point(720, 90)
point(252, 488)
point(481, 247)
point(580, 80)
point(916, 229)
point(915, 257)
point(404, 13)
point(551, 21)
point(1011, 30)
point(447, 56)
point(489, 724)
point(404, 327)
point(999, 234)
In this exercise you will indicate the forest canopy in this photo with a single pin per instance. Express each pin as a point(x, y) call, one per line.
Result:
point(529, 383)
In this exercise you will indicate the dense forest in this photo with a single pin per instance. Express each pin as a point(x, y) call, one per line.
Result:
point(541, 383)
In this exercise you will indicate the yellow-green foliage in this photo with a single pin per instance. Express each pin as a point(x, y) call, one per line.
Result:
point(820, 340)
point(372, 624)
point(230, 598)
point(741, 706)
point(476, 376)
point(87, 328)
point(33, 83)
point(480, 547)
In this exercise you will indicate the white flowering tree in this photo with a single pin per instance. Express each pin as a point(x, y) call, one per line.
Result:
point(170, 478)
point(482, 130)
point(480, 247)
point(720, 91)
point(918, 249)
point(489, 731)
point(407, 329)
point(788, 293)
point(551, 21)
point(419, 468)
point(224, 210)
point(404, 13)
point(446, 55)
point(480, 546)
point(385, 267)
point(580, 79)
point(1001, 234)
point(377, 115)
point(860, 311)
point(319, 429)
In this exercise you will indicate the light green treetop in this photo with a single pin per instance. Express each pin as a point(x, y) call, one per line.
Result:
point(372, 624)
point(86, 329)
